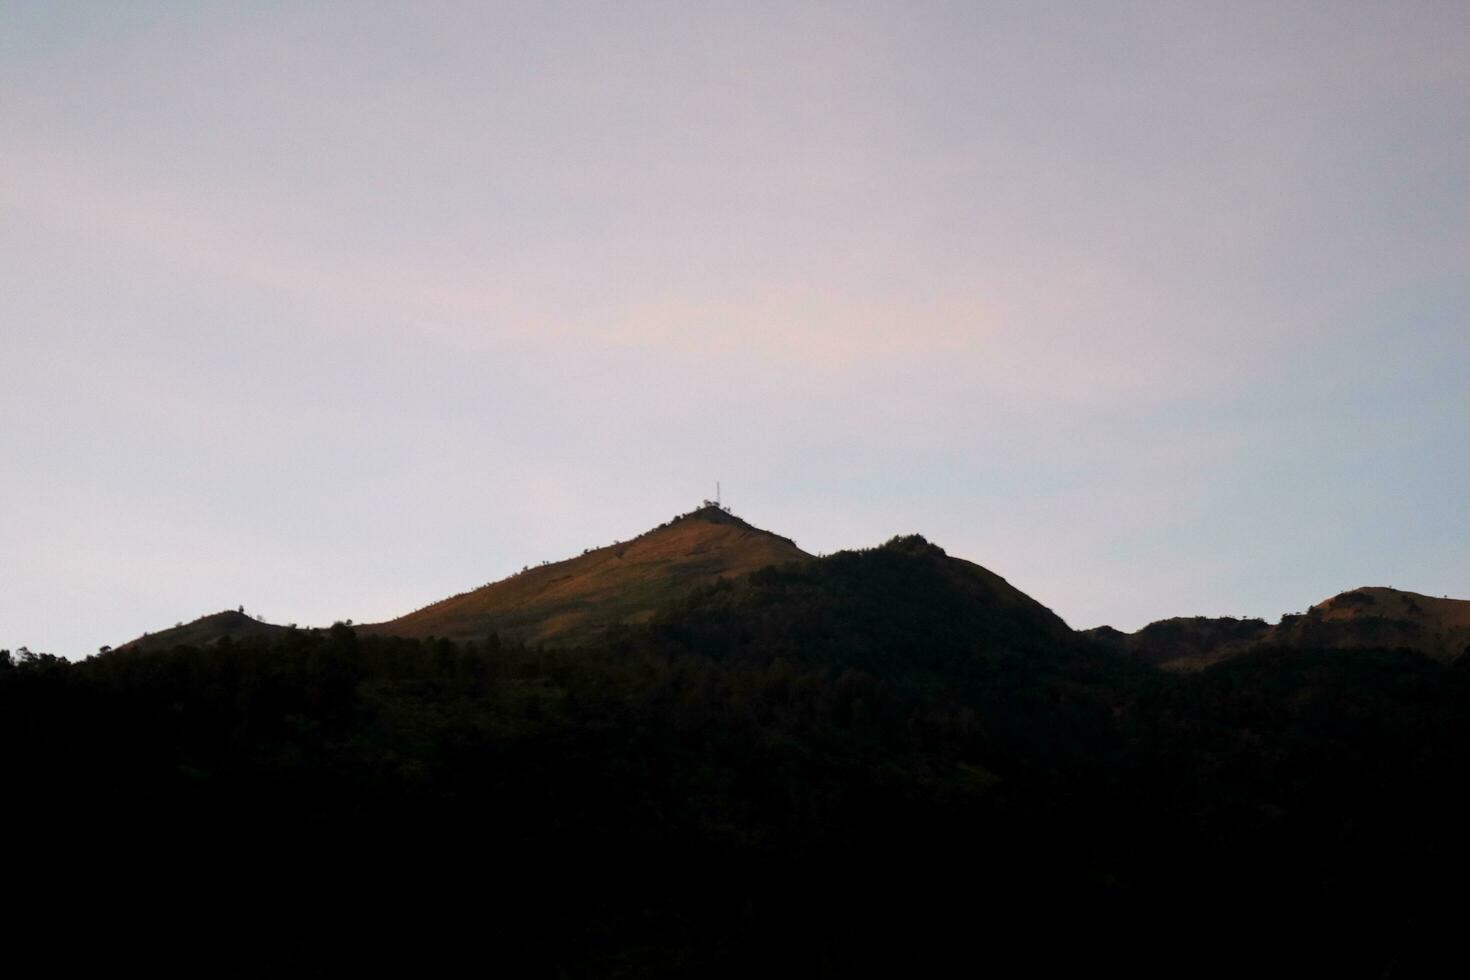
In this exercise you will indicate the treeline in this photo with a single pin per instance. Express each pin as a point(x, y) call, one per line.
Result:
point(594, 812)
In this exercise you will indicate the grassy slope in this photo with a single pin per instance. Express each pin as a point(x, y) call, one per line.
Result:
point(1377, 616)
point(622, 583)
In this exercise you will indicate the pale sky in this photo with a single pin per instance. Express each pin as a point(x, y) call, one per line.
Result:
point(334, 309)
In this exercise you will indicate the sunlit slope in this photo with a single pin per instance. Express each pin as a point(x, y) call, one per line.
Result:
point(1374, 617)
point(1382, 617)
point(622, 583)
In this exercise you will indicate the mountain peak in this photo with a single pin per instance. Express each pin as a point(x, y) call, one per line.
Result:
point(624, 582)
point(711, 513)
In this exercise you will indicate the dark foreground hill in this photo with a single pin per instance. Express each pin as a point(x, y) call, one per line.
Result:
point(880, 763)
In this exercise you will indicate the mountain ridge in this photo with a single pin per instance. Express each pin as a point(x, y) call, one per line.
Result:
point(627, 583)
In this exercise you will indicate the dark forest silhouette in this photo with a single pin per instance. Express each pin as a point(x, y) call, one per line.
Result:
point(857, 765)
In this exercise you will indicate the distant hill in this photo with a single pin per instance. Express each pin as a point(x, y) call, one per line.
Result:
point(623, 583)
point(205, 631)
point(1186, 642)
point(1373, 617)
point(1381, 617)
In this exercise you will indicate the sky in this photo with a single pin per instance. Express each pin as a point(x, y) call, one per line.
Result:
point(331, 310)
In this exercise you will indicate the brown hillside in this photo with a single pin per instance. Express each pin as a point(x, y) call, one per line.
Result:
point(1383, 617)
point(622, 583)
point(1373, 617)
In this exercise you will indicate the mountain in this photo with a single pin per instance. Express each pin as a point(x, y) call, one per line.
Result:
point(927, 623)
point(1373, 617)
point(628, 583)
point(565, 601)
point(623, 583)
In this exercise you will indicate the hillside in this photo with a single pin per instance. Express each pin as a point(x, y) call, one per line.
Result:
point(1376, 616)
point(906, 602)
point(1371, 618)
point(572, 600)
